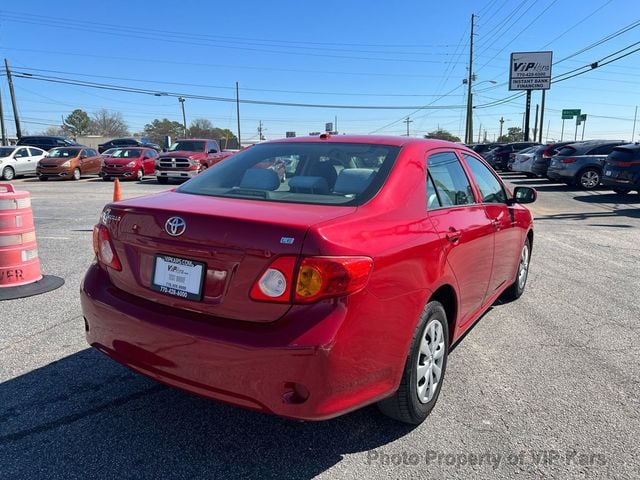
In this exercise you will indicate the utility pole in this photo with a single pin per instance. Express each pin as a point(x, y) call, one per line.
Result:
point(633, 133)
point(542, 116)
point(13, 99)
point(584, 124)
point(4, 132)
point(535, 125)
point(501, 122)
point(407, 121)
point(184, 116)
point(238, 113)
point(260, 130)
point(335, 124)
point(479, 133)
point(468, 136)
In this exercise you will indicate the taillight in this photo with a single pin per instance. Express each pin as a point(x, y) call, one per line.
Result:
point(315, 278)
point(568, 160)
point(103, 248)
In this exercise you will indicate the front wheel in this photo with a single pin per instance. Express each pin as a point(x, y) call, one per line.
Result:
point(516, 289)
point(424, 369)
point(589, 179)
point(8, 173)
point(76, 174)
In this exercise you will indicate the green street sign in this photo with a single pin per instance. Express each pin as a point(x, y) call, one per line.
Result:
point(570, 113)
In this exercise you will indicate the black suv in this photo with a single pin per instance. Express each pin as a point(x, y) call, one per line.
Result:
point(128, 142)
point(499, 157)
point(45, 142)
point(622, 169)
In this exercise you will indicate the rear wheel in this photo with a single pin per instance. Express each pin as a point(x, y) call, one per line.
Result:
point(589, 179)
point(76, 174)
point(8, 173)
point(622, 191)
point(516, 289)
point(163, 180)
point(424, 370)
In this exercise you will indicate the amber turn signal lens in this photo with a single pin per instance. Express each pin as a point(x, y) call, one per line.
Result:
point(309, 282)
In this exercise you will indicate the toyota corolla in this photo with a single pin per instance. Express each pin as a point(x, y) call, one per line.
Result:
point(343, 284)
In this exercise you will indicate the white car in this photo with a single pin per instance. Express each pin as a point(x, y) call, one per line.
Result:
point(16, 161)
point(524, 159)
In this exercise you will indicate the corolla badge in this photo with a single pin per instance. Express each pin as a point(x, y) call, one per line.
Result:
point(175, 226)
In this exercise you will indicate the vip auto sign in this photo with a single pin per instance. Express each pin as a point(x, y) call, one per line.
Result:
point(530, 71)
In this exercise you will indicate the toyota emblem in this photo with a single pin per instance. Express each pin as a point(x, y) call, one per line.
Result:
point(175, 226)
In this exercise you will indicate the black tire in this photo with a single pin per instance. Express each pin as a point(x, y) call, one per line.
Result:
point(516, 289)
point(106, 178)
point(8, 174)
point(589, 178)
point(404, 405)
point(43, 178)
point(621, 191)
point(162, 180)
point(76, 174)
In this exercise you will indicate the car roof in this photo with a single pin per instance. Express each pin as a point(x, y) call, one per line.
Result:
point(199, 139)
point(368, 139)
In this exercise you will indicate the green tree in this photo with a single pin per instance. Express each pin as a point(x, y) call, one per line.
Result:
point(158, 129)
point(442, 135)
point(108, 124)
point(77, 123)
point(514, 134)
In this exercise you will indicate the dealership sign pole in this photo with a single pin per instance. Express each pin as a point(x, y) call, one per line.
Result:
point(530, 71)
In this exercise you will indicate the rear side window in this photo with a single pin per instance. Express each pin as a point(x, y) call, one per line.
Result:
point(451, 183)
point(490, 188)
point(296, 172)
point(566, 151)
point(625, 154)
point(602, 150)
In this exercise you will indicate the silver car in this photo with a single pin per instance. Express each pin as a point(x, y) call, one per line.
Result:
point(17, 161)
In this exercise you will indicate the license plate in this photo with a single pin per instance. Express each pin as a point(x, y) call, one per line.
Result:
point(178, 277)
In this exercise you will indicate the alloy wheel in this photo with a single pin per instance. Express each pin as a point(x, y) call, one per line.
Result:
point(523, 267)
point(589, 179)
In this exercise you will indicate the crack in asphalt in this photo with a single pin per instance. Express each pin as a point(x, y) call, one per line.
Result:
point(39, 332)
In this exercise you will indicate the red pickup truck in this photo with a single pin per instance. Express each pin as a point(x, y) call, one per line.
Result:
point(188, 157)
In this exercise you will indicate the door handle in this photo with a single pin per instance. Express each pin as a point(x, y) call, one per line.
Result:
point(453, 235)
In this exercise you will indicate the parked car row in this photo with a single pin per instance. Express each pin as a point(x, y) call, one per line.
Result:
point(586, 164)
point(184, 159)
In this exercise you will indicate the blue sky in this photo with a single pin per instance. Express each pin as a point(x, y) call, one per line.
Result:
point(357, 53)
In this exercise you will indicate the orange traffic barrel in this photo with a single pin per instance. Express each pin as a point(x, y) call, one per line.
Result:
point(19, 260)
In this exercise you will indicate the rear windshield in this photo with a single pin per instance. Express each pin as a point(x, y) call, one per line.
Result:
point(63, 152)
point(625, 154)
point(317, 173)
point(566, 151)
point(187, 145)
point(125, 152)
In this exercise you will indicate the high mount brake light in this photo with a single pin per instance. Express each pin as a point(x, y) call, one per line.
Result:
point(315, 278)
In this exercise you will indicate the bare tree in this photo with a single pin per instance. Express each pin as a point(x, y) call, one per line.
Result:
point(55, 131)
point(109, 124)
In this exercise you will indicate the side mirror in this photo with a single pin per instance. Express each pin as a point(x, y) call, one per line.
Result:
point(524, 195)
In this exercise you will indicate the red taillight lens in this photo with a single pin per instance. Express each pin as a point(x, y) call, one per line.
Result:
point(324, 277)
point(315, 278)
point(568, 160)
point(103, 248)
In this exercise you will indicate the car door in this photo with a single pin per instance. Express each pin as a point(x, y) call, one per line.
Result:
point(35, 155)
point(21, 160)
point(508, 237)
point(96, 160)
point(463, 225)
point(149, 161)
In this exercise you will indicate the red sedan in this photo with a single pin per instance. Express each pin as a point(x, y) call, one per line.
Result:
point(128, 163)
point(341, 285)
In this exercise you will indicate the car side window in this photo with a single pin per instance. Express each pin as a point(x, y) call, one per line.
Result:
point(602, 150)
point(490, 188)
point(451, 183)
point(432, 196)
point(60, 143)
point(21, 153)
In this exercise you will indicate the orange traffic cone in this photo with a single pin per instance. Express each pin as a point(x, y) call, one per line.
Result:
point(117, 193)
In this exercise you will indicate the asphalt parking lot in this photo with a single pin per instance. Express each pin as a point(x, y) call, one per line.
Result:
point(545, 386)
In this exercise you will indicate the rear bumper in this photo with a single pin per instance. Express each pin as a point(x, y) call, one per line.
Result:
point(561, 175)
point(618, 183)
point(307, 365)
